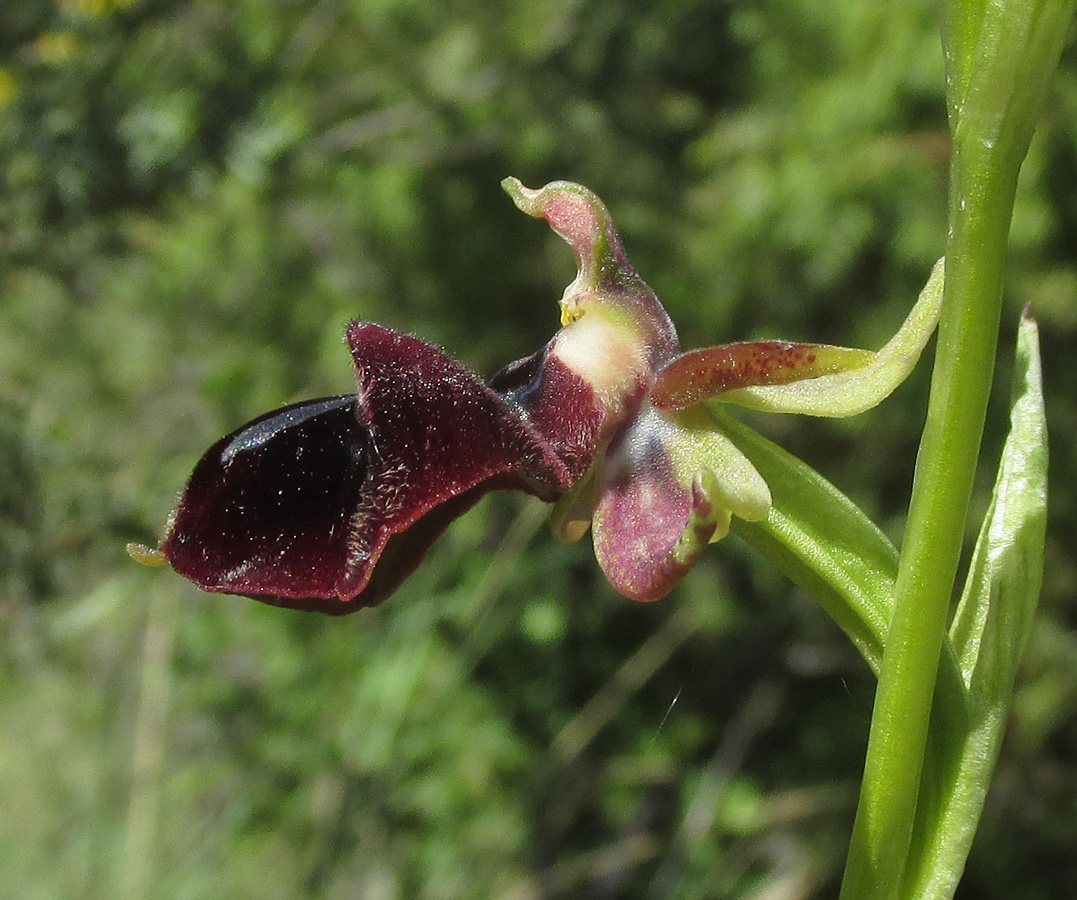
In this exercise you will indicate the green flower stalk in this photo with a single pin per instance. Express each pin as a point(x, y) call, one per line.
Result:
point(1000, 57)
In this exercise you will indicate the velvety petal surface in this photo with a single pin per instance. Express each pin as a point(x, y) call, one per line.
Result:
point(329, 504)
point(267, 508)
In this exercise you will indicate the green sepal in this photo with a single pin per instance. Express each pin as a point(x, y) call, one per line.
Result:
point(850, 393)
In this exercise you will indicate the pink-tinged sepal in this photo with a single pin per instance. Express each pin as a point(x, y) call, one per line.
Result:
point(329, 504)
point(640, 519)
point(669, 487)
point(606, 285)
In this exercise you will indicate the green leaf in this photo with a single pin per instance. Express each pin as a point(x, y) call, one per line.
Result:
point(821, 540)
point(995, 614)
point(988, 635)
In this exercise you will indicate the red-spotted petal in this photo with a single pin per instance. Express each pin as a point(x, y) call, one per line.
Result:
point(702, 374)
point(850, 391)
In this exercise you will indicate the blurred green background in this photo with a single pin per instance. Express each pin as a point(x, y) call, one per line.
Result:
point(196, 198)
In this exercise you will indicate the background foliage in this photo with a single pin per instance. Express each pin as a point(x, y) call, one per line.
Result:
point(197, 196)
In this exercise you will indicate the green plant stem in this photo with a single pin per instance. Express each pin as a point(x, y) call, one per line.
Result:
point(944, 474)
point(998, 73)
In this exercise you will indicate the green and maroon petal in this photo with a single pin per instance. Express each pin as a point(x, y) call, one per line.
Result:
point(606, 285)
point(702, 374)
point(668, 488)
point(811, 379)
point(853, 390)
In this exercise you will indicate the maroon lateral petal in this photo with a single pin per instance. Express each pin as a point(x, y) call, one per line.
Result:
point(329, 504)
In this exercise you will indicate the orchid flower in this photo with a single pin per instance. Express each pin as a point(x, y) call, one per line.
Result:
point(329, 504)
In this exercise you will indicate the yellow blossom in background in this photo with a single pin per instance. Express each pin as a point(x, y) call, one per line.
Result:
point(94, 7)
point(8, 88)
point(56, 47)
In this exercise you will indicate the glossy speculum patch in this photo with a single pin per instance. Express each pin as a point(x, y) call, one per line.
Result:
point(267, 510)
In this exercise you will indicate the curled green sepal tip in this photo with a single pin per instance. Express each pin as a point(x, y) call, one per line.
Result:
point(862, 386)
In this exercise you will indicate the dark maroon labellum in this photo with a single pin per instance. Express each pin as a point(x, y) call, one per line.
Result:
point(330, 504)
point(270, 504)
